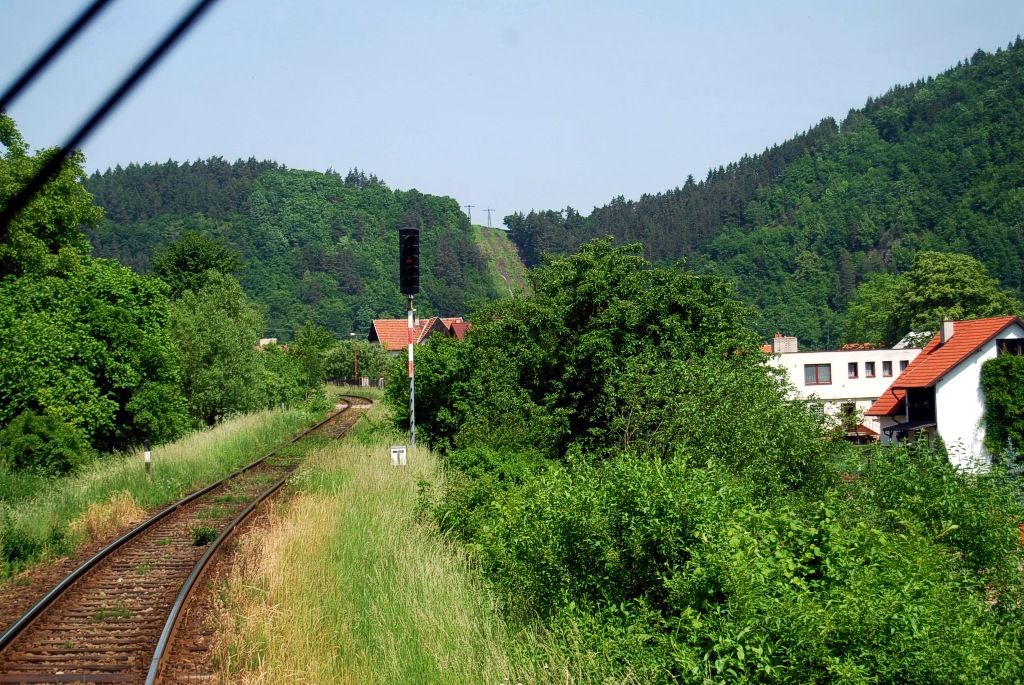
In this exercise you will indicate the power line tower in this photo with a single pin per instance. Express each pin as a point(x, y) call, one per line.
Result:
point(469, 211)
point(488, 210)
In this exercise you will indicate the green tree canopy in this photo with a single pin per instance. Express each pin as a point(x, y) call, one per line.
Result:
point(340, 359)
point(610, 353)
point(940, 286)
point(52, 220)
point(186, 264)
point(216, 329)
point(312, 343)
point(90, 346)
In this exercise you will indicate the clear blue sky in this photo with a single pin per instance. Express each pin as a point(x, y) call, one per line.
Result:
point(509, 104)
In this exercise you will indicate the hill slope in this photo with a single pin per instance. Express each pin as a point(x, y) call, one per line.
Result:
point(936, 165)
point(506, 270)
point(315, 246)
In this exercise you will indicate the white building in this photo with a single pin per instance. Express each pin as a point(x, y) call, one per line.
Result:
point(841, 382)
point(940, 392)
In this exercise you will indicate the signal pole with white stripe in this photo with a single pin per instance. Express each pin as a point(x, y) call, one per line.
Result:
point(409, 279)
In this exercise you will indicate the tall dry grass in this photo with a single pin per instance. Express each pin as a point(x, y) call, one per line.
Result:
point(349, 586)
point(58, 517)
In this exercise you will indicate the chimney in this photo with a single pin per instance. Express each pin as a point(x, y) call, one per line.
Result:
point(947, 331)
point(782, 344)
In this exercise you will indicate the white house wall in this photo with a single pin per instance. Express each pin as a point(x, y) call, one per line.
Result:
point(861, 391)
point(960, 407)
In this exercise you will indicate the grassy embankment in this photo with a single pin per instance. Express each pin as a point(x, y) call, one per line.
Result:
point(51, 517)
point(506, 270)
point(352, 586)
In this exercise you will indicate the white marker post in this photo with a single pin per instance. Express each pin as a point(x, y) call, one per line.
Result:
point(148, 458)
point(398, 455)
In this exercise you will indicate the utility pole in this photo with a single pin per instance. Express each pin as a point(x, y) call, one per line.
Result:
point(355, 357)
point(469, 210)
point(488, 210)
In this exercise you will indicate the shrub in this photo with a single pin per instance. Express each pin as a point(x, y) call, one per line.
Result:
point(1001, 381)
point(914, 490)
point(42, 443)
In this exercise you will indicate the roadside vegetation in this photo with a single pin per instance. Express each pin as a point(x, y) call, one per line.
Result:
point(46, 516)
point(620, 462)
point(352, 585)
point(99, 361)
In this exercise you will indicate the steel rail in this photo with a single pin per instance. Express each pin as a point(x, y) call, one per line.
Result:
point(170, 626)
point(156, 664)
point(16, 628)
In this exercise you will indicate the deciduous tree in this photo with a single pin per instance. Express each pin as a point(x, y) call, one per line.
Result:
point(53, 219)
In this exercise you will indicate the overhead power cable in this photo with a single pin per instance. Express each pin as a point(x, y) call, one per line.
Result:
point(52, 166)
point(51, 52)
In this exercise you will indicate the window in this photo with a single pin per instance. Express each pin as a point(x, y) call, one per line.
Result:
point(851, 370)
point(1010, 346)
point(887, 369)
point(903, 364)
point(817, 374)
point(847, 408)
point(869, 369)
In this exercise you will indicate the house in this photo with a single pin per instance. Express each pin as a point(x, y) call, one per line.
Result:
point(841, 383)
point(940, 392)
point(393, 334)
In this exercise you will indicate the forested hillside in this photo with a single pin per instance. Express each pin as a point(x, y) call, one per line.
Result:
point(936, 165)
point(314, 246)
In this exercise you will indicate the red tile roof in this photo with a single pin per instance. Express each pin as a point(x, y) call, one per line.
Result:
point(861, 429)
point(393, 334)
point(427, 327)
point(889, 403)
point(459, 329)
point(937, 359)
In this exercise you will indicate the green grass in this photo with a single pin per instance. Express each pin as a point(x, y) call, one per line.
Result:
point(351, 586)
point(40, 526)
point(203, 535)
point(504, 268)
point(118, 611)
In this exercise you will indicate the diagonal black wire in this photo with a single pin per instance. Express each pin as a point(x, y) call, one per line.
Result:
point(51, 52)
point(52, 166)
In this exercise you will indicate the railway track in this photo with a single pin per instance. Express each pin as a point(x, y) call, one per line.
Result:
point(113, 619)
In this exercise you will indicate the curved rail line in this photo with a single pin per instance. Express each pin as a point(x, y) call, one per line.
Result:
point(74, 634)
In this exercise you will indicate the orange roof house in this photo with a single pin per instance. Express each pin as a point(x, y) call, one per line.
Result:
point(393, 334)
point(940, 392)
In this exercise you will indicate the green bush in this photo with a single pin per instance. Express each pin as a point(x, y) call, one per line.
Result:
point(42, 443)
point(678, 574)
point(476, 477)
point(915, 491)
point(624, 466)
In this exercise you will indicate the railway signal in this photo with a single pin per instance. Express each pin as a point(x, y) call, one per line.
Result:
point(409, 280)
point(409, 260)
